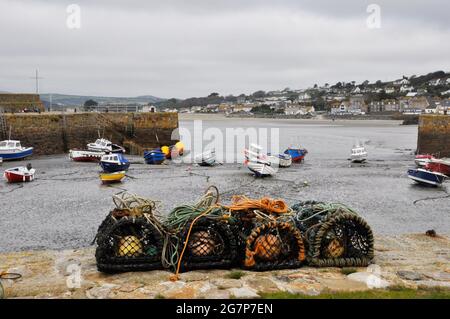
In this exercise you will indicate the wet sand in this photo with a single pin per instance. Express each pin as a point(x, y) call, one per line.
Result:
point(63, 207)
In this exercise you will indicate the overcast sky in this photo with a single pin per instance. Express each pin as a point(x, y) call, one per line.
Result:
point(194, 47)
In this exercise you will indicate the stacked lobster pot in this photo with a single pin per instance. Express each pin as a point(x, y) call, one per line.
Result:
point(335, 235)
point(255, 234)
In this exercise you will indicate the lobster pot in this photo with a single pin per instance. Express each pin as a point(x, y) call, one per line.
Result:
point(128, 244)
point(210, 244)
point(274, 245)
point(335, 235)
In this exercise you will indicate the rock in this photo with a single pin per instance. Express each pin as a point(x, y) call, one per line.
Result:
point(410, 275)
point(263, 284)
point(222, 283)
point(101, 292)
point(439, 276)
point(433, 284)
point(343, 284)
point(370, 279)
point(244, 292)
point(129, 287)
point(303, 288)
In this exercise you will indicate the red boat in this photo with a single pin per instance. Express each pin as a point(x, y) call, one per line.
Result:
point(19, 174)
point(423, 159)
point(439, 165)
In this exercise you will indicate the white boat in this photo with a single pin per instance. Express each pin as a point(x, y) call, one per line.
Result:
point(207, 158)
point(85, 156)
point(281, 160)
point(13, 150)
point(104, 145)
point(261, 168)
point(359, 154)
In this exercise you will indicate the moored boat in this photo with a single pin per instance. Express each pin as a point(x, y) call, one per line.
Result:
point(422, 159)
point(297, 154)
point(358, 154)
point(441, 165)
point(424, 177)
point(260, 168)
point(13, 150)
point(112, 163)
point(85, 156)
point(207, 158)
point(154, 157)
point(115, 177)
point(104, 145)
point(281, 160)
point(19, 174)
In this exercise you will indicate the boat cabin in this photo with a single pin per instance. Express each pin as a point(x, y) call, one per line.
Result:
point(10, 144)
point(114, 158)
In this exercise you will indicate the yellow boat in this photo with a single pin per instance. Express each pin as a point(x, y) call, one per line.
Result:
point(115, 177)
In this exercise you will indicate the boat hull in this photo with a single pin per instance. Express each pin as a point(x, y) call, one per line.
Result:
point(17, 155)
point(439, 167)
point(18, 177)
point(260, 169)
point(155, 157)
point(108, 178)
point(114, 167)
point(297, 155)
point(425, 177)
point(85, 156)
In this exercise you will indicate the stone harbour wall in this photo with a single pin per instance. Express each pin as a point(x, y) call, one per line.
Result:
point(57, 133)
point(434, 135)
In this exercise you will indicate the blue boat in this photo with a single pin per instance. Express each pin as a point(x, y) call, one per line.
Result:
point(297, 154)
point(13, 150)
point(114, 163)
point(155, 156)
point(424, 177)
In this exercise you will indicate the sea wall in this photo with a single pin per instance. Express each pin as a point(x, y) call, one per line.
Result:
point(57, 133)
point(434, 135)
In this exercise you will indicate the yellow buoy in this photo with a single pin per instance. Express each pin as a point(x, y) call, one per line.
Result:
point(130, 246)
point(180, 147)
point(165, 150)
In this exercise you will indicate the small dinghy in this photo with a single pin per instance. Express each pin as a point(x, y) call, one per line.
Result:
point(19, 174)
point(260, 168)
point(207, 158)
point(85, 156)
point(13, 150)
point(424, 177)
point(281, 160)
point(423, 159)
point(359, 154)
point(297, 154)
point(104, 145)
point(441, 165)
point(116, 177)
point(154, 157)
point(112, 163)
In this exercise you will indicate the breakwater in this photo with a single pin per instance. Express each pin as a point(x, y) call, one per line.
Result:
point(51, 133)
point(434, 135)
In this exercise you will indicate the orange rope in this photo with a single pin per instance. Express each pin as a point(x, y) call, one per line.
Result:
point(266, 204)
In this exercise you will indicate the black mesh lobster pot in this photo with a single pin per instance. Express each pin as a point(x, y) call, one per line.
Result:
point(274, 245)
point(128, 244)
point(210, 244)
point(335, 235)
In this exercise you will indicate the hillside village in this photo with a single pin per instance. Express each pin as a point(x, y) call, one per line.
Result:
point(408, 95)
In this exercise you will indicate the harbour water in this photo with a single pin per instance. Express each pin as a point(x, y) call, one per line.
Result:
point(65, 204)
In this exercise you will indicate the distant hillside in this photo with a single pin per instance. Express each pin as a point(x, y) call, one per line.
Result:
point(64, 100)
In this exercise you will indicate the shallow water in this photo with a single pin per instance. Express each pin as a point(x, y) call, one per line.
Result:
point(63, 207)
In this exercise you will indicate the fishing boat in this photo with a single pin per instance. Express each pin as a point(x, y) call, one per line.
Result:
point(13, 150)
point(441, 165)
point(207, 158)
point(260, 168)
point(155, 156)
point(116, 177)
point(85, 156)
point(422, 159)
point(104, 145)
point(358, 154)
point(112, 163)
point(281, 160)
point(424, 177)
point(297, 154)
point(19, 174)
